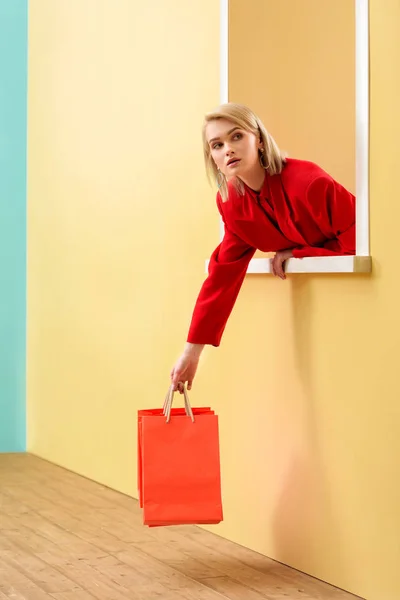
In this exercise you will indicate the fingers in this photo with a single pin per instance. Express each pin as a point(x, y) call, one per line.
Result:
point(273, 265)
point(178, 385)
point(175, 377)
point(177, 382)
point(279, 270)
point(278, 266)
point(183, 373)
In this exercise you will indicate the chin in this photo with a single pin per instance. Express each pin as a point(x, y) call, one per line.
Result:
point(232, 176)
point(237, 172)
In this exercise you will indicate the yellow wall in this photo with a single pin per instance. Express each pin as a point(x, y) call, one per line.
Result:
point(303, 88)
point(120, 216)
point(120, 219)
point(311, 433)
point(301, 84)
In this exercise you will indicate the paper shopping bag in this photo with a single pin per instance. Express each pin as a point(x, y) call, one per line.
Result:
point(181, 470)
point(180, 465)
point(156, 411)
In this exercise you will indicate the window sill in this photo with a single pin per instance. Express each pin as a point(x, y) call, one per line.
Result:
point(320, 264)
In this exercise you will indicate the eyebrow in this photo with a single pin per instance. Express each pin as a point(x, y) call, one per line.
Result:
point(228, 133)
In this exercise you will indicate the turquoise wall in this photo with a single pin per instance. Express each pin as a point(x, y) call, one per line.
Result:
point(13, 101)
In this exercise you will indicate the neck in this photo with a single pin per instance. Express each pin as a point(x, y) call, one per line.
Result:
point(254, 179)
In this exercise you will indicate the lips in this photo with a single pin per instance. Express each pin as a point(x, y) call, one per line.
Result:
point(233, 161)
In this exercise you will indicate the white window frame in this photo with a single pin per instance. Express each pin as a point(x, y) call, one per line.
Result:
point(361, 262)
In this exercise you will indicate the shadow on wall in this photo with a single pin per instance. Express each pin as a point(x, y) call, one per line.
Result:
point(304, 513)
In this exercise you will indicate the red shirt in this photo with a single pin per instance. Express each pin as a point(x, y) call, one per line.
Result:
point(303, 208)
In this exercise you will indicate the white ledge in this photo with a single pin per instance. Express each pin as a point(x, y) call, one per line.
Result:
point(320, 264)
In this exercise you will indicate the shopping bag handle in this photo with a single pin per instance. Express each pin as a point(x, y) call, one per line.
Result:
point(168, 402)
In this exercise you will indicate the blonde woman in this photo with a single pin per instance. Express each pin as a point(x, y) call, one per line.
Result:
point(268, 202)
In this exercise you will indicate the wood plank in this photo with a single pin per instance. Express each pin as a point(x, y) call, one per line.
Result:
point(89, 578)
point(81, 595)
point(64, 537)
point(37, 571)
point(234, 590)
point(16, 585)
point(284, 576)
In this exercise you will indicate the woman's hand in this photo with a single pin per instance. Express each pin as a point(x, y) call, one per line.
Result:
point(186, 367)
point(278, 262)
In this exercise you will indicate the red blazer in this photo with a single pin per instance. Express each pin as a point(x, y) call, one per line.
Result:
point(302, 208)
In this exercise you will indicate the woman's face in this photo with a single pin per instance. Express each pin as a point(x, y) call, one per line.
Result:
point(235, 151)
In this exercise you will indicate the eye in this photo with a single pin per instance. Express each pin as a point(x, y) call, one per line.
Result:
point(216, 146)
point(238, 136)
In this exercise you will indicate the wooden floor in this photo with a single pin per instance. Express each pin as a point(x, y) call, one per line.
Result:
point(63, 537)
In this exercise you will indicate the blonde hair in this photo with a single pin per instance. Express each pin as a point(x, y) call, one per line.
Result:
point(272, 159)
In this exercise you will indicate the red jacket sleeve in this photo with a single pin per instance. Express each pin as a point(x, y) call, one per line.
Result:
point(227, 269)
point(332, 207)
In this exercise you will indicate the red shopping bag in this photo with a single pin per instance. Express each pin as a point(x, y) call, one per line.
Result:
point(156, 411)
point(180, 466)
